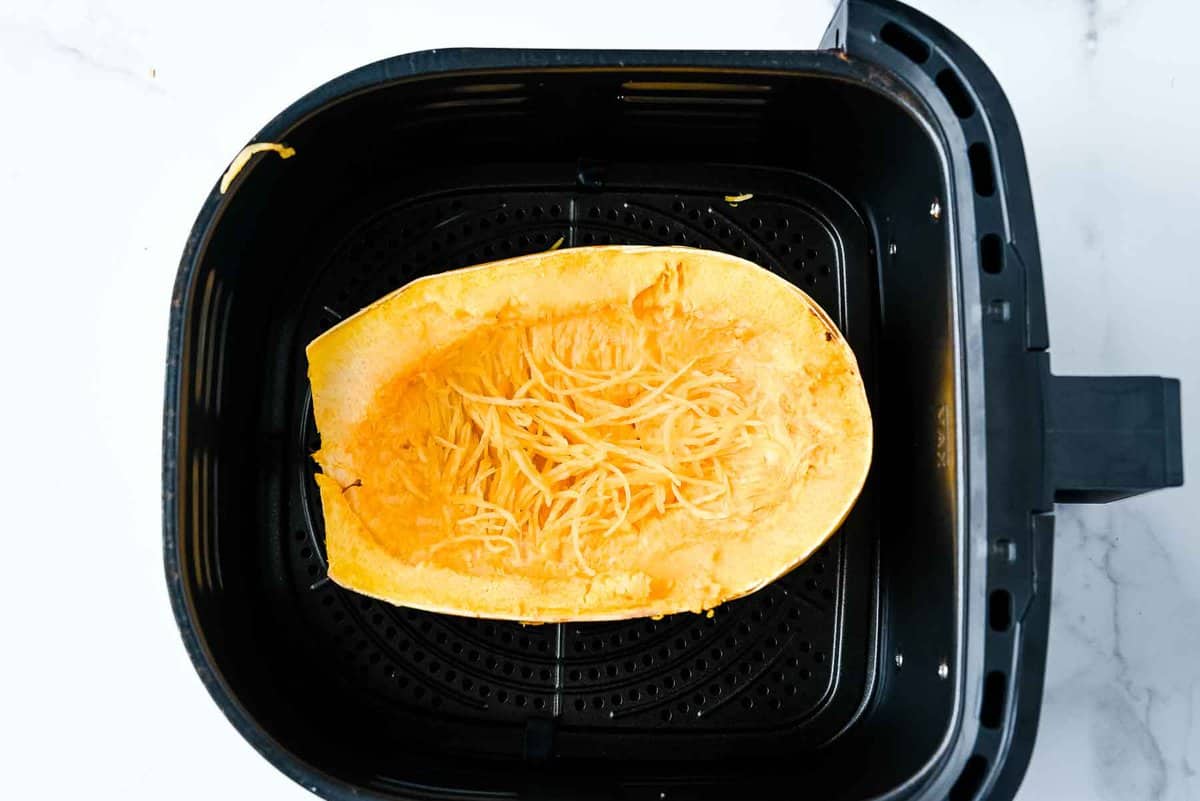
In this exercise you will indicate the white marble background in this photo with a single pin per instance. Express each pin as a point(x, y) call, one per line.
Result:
point(116, 116)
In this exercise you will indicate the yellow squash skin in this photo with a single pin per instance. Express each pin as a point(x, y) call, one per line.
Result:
point(585, 434)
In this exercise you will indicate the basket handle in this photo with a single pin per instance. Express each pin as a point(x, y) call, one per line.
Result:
point(1112, 437)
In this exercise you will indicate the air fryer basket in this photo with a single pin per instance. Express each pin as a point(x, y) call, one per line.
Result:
point(904, 660)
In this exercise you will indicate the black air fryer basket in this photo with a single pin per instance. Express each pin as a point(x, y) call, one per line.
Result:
point(904, 660)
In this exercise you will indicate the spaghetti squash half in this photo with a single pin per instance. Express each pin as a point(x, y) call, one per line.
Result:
point(585, 434)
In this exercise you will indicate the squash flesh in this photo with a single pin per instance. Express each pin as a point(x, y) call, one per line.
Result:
point(652, 448)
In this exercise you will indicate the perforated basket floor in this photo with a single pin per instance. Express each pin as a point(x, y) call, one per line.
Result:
point(793, 659)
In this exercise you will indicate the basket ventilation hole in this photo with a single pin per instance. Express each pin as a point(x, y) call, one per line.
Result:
point(1000, 610)
point(905, 42)
point(991, 254)
point(991, 711)
point(970, 780)
point(984, 178)
point(955, 93)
